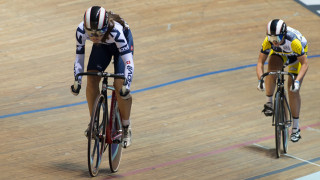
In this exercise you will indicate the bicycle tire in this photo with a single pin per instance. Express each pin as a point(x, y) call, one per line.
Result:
point(277, 117)
point(285, 129)
point(96, 136)
point(115, 148)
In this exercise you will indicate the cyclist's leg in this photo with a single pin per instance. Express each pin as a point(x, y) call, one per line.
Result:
point(92, 90)
point(275, 64)
point(294, 97)
point(125, 109)
point(99, 60)
point(295, 100)
point(124, 104)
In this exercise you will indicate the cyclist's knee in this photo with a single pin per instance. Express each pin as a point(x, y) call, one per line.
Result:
point(118, 84)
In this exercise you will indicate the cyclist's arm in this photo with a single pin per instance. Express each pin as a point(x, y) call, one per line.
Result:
point(304, 67)
point(265, 50)
point(298, 49)
point(125, 52)
point(79, 65)
point(129, 68)
point(80, 51)
point(260, 65)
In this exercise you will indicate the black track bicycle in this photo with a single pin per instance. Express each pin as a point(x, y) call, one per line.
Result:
point(105, 129)
point(282, 117)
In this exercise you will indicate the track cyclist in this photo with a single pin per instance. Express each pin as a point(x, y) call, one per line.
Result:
point(111, 36)
point(284, 46)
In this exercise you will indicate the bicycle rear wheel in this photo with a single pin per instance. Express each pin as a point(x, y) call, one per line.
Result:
point(285, 129)
point(115, 148)
point(277, 119)
point(96, 136)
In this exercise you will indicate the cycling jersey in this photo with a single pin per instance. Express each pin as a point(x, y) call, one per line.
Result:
point(294, 45)
point(116, 37)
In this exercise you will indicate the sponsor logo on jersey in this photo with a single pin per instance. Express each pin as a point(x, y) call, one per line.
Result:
point(80, 32)
point(130, 72)
point(116, 34)
point(286, 48)
point(124, 48)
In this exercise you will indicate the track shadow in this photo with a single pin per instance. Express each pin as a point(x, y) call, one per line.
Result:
point(72, 168)
point(81, 170)
point(268, 152)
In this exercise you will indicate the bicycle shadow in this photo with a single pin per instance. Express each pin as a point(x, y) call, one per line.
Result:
point(71, 168)
point(266, 151)
point(81, 170)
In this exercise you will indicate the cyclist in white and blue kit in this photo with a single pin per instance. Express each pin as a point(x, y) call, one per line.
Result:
point(284, 45)
point(111, 37)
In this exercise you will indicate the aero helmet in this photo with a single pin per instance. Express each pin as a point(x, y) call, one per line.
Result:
point(95, 21)
point(276, 30)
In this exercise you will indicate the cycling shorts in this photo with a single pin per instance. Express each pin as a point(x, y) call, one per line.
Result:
point(101, 55)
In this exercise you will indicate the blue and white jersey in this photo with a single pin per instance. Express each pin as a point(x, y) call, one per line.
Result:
point(116, 36)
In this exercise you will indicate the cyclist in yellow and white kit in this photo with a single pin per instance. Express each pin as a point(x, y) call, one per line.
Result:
point(284, 45)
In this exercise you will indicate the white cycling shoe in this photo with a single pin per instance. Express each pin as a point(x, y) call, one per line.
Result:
point(126, 141)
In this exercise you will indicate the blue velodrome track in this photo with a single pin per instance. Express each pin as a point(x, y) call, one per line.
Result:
point(141, 90)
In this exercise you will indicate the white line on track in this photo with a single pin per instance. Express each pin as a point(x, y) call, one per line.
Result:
point(313, 129)
point(288, 155)
point(264, 147)
point(302, 160)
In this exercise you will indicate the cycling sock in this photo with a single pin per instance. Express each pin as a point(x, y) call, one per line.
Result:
point(295, 126)
point(269, 98)
point(126, 122)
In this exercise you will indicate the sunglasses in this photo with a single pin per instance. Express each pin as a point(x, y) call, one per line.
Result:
point(277, 38)
point(95, 33)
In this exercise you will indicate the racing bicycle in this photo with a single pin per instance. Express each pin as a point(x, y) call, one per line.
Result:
point(104, 131)
point(282, 117)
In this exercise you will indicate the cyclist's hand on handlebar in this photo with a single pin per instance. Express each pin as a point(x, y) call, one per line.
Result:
point(125, 93)
point(75, 91)
point(261, 86)
point(296, 86)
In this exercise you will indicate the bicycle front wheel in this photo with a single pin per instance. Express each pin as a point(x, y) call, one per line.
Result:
point(285, 128)
point(277, 119)
point(115, 148)
point(96, 136)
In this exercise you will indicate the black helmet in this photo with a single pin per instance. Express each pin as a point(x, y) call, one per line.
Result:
point(276, 30)
point(95, 21)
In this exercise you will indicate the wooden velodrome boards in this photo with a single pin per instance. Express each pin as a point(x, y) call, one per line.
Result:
point(196, 111)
